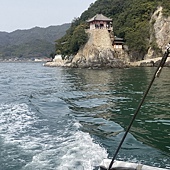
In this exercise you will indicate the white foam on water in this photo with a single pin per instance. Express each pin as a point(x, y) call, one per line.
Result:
point(81, 152)
point(15, 120)
point(68, 149)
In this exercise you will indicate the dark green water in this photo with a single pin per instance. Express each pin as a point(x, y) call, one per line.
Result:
point(53, 118)
point(113, 96)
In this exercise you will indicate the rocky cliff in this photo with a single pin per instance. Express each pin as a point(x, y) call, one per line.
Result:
point(99, 52)
point(159, 34)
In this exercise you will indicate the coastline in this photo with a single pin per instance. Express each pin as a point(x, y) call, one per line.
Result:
point(149, 62)
point(143, 63)
point(67, 63)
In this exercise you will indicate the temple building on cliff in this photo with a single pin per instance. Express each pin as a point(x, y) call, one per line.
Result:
point(99, 21)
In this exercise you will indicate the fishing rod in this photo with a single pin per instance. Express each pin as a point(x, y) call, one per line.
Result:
point(157, 74)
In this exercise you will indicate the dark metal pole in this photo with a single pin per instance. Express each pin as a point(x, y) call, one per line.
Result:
point(157, 73)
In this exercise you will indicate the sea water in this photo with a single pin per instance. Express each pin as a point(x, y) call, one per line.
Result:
point(67, 119)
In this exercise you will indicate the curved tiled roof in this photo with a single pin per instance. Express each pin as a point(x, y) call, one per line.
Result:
point(99, 17)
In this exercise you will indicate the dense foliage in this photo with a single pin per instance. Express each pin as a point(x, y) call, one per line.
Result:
point(74, 39)
point(130, 21)
point(32, 49)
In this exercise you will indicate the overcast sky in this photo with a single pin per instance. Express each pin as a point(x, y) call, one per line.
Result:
point(25, 14)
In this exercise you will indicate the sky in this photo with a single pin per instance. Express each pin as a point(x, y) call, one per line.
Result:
point(26, 14)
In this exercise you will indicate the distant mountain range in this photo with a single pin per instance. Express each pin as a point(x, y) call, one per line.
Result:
point(32, 43)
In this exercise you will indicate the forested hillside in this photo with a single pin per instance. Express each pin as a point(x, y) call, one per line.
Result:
point(130, 21)
point(35, 42)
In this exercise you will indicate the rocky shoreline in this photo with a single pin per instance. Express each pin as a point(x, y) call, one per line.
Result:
point(150, 62)
point(143, 63)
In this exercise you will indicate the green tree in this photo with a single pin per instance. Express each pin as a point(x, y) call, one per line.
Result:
point(79, 38)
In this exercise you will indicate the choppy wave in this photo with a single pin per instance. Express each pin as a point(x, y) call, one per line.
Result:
point(38, 148)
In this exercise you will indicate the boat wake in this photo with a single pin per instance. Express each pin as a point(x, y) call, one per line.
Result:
point(29, 141)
